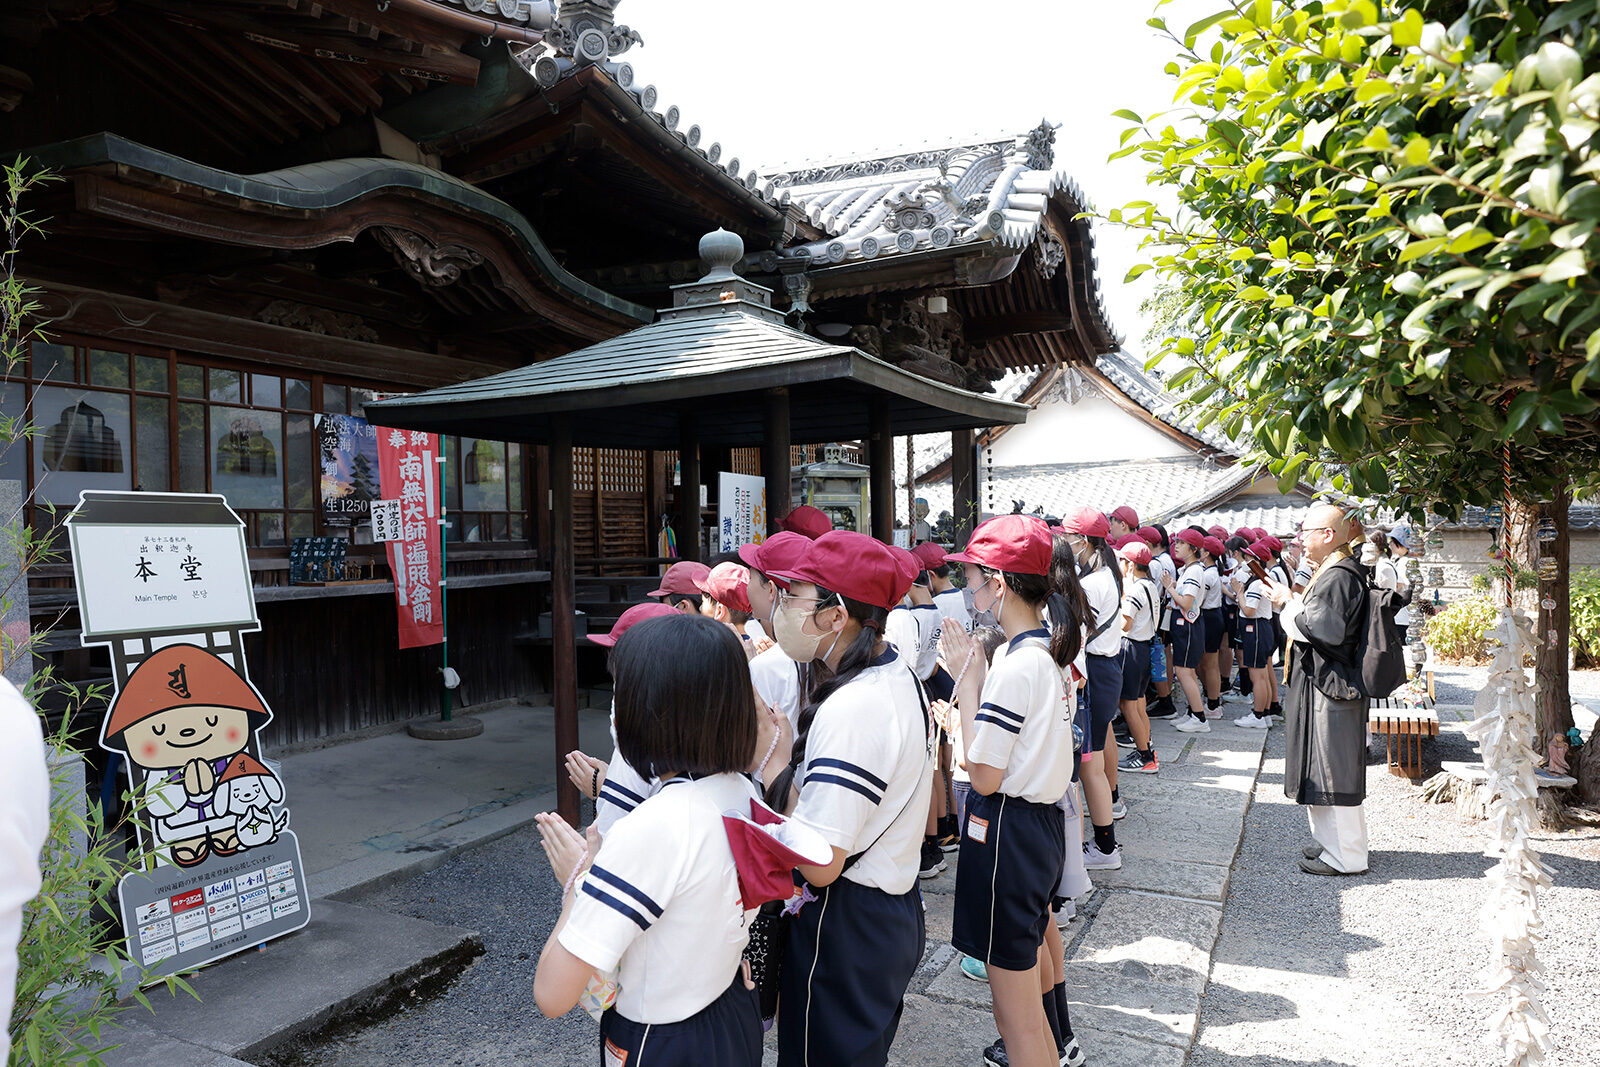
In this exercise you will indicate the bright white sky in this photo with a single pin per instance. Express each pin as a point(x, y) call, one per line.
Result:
point(780, 82)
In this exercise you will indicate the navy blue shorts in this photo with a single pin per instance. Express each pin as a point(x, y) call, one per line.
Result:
point(1004, 882)
point(1230, 616)
point(1260, 639)
point(1135, 668)
point(725, 1033)
point(940, 685)
point(1216, 628)
point(1188, 641)
point(1105, 690)
point(851, 955)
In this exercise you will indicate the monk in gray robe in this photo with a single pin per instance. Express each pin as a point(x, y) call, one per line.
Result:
point(1325, 713)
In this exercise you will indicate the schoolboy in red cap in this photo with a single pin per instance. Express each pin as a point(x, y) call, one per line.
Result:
point(950, 598)
point(807, 521)
point(1161, 567)
point(860, 772)
point(1140, 613)
point(726, 598)
point(1124, 521)
point(1017, 736)
point(680, 586)
point(1187, 594)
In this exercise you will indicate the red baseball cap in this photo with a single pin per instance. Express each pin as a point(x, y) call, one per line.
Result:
point(808, 521)
point(856, 566)
point(1193, 538)
point(682, 577)
point(632, 617)
point(729, 585)
point(1128, 516)
point(1247, 533)
point(783, 549)
point(1219, 532)
point(1150, 535)
point(1020, 544)
point(1273, 543)
point(1260, 550)
point(1258, 533)
point(1085, 521)
point(930, 555)
point(1214, 546)
point(1135, 551)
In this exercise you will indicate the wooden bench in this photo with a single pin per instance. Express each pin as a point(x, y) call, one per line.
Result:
point(1404, 730)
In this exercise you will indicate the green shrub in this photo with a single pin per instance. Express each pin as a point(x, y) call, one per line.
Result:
point(1584, 597)
point(1456, 634)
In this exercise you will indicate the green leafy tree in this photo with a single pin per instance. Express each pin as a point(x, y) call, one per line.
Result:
point(1382, 220)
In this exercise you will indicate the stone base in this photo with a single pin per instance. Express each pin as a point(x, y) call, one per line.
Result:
point(438, 730)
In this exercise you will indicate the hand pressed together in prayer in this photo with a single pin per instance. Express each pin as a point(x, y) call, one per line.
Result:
point(586, 772)
point(565, 848)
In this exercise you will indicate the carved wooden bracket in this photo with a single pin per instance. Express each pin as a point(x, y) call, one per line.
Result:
point(427, 262)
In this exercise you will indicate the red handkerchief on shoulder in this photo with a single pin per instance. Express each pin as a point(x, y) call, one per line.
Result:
point(766, 850)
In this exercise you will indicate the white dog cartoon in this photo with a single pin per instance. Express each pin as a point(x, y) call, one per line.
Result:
point(247, 791)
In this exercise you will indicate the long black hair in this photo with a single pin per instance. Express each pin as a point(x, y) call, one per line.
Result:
point(822, 684)
point(1165, 544)
point(1104, 557)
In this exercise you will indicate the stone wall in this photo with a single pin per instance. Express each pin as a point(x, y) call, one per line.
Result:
point(1466, 553)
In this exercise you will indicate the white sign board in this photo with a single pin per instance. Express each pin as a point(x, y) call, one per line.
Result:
point(741, 510)
point(386, 520)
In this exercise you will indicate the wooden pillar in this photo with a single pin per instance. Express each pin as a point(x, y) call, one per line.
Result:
point(563, 641)
point(689, 487)
point(964, 485)
point(880, 460)
point(775, 456)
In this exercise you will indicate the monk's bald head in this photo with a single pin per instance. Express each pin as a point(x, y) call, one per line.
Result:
point(1325, 528)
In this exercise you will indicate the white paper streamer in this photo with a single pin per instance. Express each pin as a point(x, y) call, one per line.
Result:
point(1506, 736)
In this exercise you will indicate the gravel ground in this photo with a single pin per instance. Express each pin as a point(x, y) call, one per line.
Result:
point(486, 1017)
point(1460, 685)
point(1380, 969)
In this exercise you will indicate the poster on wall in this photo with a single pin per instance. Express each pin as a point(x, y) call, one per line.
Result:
point(408, 466)
point(347, 447)
point(164, 584)
point(741, 510)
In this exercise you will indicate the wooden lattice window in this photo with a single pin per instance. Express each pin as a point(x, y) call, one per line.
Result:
point(583, 470)
point(747, 461)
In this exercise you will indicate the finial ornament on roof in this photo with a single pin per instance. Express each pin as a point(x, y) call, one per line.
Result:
point(585, 31)
point(1040, 145)
point(721, 249)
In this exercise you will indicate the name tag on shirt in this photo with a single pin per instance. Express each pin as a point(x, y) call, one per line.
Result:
point(1249, 629)
point(978, 829)
point(614, 1056)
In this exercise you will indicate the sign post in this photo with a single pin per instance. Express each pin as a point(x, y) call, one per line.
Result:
point(164, 583)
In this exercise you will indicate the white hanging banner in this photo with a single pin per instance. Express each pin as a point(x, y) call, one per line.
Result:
point(741, 510)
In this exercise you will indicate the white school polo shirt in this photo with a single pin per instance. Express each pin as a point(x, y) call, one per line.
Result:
point(660, 904)
point(24, 825)
point(622, 789)
point(753, 630)
point(1100, 590)
point(1213, 589)
point(1159, 565)
point(914, 632)
point(866, 781)
point(952, 604)
point(1024, 726)
point(777, 679)
point(1257, 601)
point(1139, 604)
point(1191, 582)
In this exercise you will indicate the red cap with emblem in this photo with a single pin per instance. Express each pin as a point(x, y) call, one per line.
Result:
point(1020, 544)
point(855, 566)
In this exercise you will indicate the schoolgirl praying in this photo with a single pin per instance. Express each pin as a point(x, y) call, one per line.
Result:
point(1187, 593)
point(662, 900)
point(1260, 640)
point(1017, 731)
point(860, 772)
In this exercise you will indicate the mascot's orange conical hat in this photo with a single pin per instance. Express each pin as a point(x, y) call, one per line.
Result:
point(180, 676)
point(242, 766)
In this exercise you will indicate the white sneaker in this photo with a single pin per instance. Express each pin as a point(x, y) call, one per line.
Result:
point(1095, 860)
point(1065, 914)
point(1191, 724)
point(1251, 721)
point(1119, 809)
point(1214, 713)
point(1072, 1055)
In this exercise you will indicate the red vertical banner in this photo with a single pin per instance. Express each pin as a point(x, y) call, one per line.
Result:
point(408, 471)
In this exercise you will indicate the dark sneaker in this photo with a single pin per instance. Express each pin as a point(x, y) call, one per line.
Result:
point(932, 860)
point(995, 1055)
point(1133, 763)
point(949, 839)
point(1072, 1054)
point(1163, 709)
point(1124, 738)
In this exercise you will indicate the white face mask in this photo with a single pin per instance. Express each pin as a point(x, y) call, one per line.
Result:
point(788, 624)
point(999, 602)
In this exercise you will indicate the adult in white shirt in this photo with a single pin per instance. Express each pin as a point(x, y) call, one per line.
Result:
point(24, 825)
point(1391, 573)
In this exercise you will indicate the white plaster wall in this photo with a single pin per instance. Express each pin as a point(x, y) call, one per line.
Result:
point(1093, 430)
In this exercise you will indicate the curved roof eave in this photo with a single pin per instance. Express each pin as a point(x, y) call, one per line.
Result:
point(331, 184)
